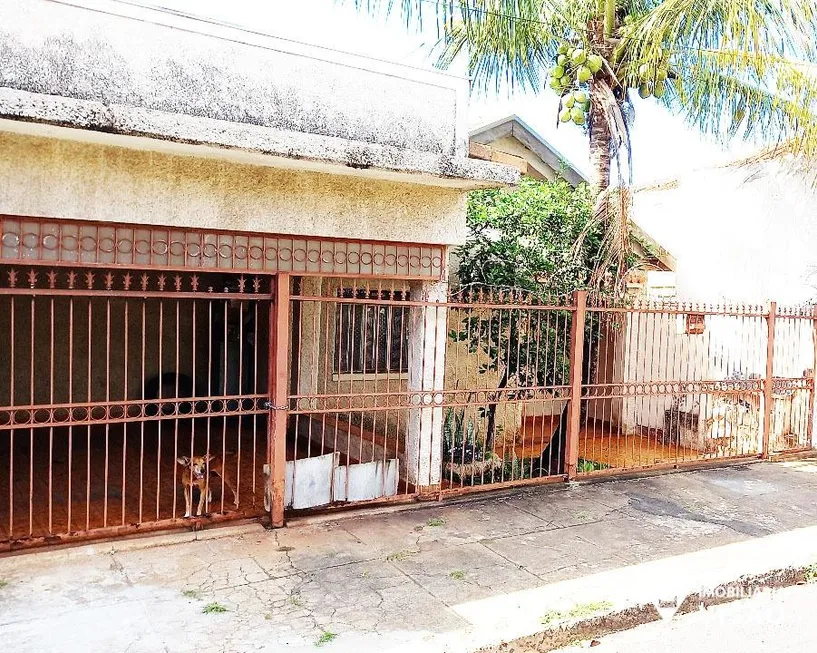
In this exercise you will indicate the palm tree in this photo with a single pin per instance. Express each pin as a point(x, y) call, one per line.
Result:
point(732, 68)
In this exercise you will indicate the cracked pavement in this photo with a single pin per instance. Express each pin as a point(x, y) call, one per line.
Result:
point(378, 581)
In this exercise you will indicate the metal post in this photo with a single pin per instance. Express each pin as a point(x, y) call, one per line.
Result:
point(576, 359)
point(278, 390)
point(769, 381)
point(812, 382)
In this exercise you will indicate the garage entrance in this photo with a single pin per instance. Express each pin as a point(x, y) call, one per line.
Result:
point(112, 381)
point(127, 351)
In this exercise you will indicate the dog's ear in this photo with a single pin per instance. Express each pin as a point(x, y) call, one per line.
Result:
point(184, 461)
point(210, 457)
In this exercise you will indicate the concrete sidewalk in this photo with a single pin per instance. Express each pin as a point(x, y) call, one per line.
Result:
point(441, 577)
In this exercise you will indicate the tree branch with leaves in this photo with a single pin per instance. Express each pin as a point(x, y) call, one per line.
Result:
point(521, 253)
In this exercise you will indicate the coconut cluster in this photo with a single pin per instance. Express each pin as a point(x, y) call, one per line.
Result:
point(652, 80)
point(574, 69)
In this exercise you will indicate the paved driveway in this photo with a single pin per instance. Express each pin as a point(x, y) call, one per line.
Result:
point(365, 583)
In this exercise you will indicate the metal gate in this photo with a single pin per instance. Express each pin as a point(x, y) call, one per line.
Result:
point(137, 361)
point(349, 399)
point(396, 393)
point(401, 389)
point(671, 384)
point(297, 392)
point(115, 385)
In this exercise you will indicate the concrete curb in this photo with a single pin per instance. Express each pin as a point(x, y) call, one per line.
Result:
point(557, 614)
point(612, 622)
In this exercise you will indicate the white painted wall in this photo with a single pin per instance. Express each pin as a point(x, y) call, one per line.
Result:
point(746, 234)
point(739, 235)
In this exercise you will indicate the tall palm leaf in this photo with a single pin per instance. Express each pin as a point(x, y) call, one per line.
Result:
point(732, 68)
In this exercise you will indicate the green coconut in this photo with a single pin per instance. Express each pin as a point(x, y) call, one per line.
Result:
point(578, 57)
point(565, 115)
point(662, 74)
point(561, 60)
point(659, 90)
point(563, 48)
point(555, 84)
point(581, 96)
point(644, 90)
point(569, 100)
point(644, 71)
point(577, 115)
point(586, 106)
point(583, 74)
point(594, 63)
point(558, 72)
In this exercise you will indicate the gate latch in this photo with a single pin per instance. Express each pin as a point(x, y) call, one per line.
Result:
point(268, 405)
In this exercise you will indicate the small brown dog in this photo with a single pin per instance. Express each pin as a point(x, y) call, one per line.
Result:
point(195, 474)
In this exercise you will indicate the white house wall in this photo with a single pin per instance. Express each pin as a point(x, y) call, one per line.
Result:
point(738, 234)
point(745, 234)
point(67, 179)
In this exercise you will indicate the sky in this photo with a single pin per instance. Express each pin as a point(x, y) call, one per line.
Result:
point(663, 147)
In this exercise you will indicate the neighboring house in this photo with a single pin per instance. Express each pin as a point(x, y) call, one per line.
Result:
point(741, 235)
point(179, 201)
point(742, 232)
point(510, 140)
point(511, 136)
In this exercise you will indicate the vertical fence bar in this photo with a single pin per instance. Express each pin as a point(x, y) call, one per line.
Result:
point(769, 381)
point(277, 429)
point(576, 359)
point(813, 388)
point(12, 372)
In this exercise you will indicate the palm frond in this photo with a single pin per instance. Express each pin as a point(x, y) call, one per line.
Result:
point(783, 27)
point(509, 43)
point(501, 50)
point(612, 211)
point(738, 67)
point(729, 94)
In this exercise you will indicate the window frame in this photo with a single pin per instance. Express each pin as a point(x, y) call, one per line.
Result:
point(368, 332)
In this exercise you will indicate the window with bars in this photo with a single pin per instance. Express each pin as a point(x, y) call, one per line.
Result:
point(371, 337)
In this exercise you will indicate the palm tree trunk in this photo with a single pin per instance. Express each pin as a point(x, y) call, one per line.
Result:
point(599, 149)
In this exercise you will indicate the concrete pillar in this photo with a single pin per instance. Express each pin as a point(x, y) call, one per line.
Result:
point(426, 355)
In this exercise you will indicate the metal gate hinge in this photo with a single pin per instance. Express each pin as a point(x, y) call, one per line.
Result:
point(268, 405)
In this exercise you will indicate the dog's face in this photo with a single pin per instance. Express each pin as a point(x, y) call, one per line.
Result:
point(197, 465)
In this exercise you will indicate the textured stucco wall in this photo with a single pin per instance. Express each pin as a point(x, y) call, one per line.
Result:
point(744, 234)
point(67, 179)
point(155, 60)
